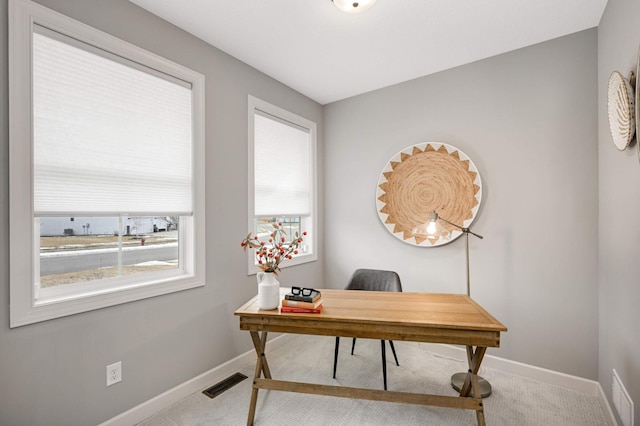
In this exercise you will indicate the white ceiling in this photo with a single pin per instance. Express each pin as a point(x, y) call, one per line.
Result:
point(329, 55)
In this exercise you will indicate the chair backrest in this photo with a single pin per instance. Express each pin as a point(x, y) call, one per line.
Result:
point(375, 280)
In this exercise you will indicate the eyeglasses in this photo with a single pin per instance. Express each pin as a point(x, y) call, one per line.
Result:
point(302, 290)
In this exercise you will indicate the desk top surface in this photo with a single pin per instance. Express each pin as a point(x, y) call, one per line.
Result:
point(444, 311)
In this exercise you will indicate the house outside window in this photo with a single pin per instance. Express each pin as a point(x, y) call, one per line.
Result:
point(282, 181)
point(106, 169)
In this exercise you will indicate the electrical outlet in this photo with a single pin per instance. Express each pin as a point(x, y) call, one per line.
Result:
point(114, 373)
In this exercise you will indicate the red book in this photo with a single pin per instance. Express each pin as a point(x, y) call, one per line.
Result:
point(306, 305)
point(293, 309)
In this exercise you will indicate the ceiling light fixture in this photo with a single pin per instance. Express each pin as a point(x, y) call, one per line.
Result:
point(352, 6)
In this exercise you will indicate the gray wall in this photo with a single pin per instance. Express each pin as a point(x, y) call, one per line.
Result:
point(534, 123)
point(619, 210)
point(53, 373)
point(528, 120)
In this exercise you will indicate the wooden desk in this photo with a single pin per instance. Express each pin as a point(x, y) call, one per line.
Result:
point(416, 317)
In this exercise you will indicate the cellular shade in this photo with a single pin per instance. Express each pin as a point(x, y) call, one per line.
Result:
point(282, 171)
point(109, 136)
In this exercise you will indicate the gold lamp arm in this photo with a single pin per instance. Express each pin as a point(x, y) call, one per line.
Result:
point(462, 228)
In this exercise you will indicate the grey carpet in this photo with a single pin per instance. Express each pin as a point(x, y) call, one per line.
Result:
point(515, 400)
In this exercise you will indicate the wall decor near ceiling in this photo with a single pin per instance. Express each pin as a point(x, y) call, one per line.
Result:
point(430, 176)
point(637, 102)
point(620, 106)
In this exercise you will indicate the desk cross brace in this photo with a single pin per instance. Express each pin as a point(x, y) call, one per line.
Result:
point(464, 401)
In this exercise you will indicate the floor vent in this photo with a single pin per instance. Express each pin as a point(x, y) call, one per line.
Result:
point(222, 386)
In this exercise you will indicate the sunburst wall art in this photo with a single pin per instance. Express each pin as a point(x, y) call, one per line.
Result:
point(423, 178)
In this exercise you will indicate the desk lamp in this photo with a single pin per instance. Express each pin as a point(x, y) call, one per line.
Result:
point(433, 230)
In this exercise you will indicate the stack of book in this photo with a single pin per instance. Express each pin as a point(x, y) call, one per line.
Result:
point(297, 303)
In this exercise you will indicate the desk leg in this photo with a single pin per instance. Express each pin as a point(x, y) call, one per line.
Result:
point(262, 368)
point(471, 382)
point(260, 344)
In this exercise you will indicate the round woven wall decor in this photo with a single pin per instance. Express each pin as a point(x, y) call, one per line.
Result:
point(423, 178)
point(637, 104)
point(620, 110)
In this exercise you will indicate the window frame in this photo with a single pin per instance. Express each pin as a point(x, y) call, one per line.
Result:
point(308, 224)
point(23, 15)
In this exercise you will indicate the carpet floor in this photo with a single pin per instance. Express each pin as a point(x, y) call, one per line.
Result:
point(515, 400)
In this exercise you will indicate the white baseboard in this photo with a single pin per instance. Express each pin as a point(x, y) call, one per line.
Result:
point(203, 381)
point(199, 383)
point(566, 381)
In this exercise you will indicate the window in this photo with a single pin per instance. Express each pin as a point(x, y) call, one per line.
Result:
point(282, 177)
point(106, 169)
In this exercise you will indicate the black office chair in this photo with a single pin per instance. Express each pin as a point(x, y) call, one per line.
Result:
point(372, 280)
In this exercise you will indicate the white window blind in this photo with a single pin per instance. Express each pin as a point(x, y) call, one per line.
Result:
point(282, 156)
point(110, 136)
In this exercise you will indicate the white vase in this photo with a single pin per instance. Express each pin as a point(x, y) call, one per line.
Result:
point(268, 290)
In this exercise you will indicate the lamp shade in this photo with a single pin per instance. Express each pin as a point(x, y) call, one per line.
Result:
point(432, 230)
point(352, 6)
